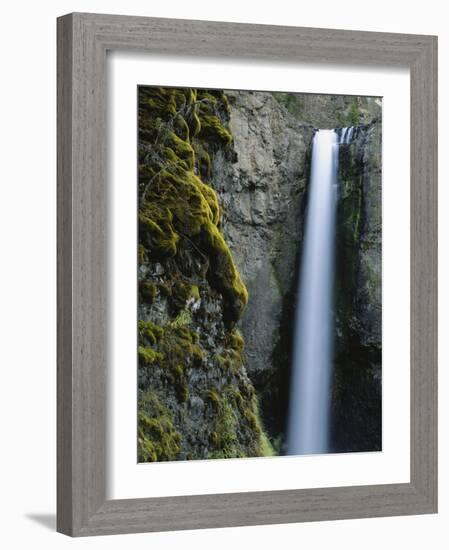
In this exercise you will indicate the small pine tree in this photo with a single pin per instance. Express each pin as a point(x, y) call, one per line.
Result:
point(354, 114)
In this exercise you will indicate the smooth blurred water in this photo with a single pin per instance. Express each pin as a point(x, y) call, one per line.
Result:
point(310, 393)
point(346, 134)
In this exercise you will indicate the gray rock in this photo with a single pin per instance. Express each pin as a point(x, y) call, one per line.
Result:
point(356, 409)
point(263, 195)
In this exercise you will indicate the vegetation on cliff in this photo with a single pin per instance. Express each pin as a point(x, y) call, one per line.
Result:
point(195, 399)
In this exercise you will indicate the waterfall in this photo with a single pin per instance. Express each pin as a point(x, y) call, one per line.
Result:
point(310, 393)
point(346, 135)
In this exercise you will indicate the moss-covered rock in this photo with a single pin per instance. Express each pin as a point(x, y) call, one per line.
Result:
point(192, 374)
point(237, 430)
point(158, 439)
point(175, 203)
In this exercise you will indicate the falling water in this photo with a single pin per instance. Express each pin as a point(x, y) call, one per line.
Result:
point(346, 135)
point(308, 423)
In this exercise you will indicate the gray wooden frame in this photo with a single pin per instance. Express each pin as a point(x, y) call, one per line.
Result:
point(83, 40)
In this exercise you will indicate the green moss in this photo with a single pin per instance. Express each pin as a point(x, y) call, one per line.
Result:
point(180, 343)
point(252, 420)
point(175, 203)
point(178, 370)
point(203, 161)
point(211, 126)
point(225, 102)
point(235, 340)
point(173, 349)
point(192, 209)
point(164, 289)
point(266, 448)
point(214, 398)
point(223, 361)
point(195, 292)
point(262, 444)
point(174, 343)
point(231, 365)
point(179, 380)
point(234, 395)
point(141, 254)
point(247, 390)
point(225, 439)
point(156, 231)
point(214, 102)
point(194, 122)
point(214, 439)
point(182, 130)
point(148, 356)
point(158, 439)
point(148, 291)
point(231, 358)
point(181, 149)
point(183, 392)
point(224, 275)
point(232, 412)
point(183, 318)
point(184, 204)
point(181, 292)
point(149, 332)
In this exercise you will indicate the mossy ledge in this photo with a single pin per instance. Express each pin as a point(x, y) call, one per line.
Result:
point(157, 435)
point(178, 131)
point(195, 398)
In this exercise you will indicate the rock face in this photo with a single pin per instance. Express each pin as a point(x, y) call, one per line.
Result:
point(331, 111)
point(357, 377)
point(263, 200)
point(195, 397)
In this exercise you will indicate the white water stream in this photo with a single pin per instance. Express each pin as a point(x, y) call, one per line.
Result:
point(310, 389)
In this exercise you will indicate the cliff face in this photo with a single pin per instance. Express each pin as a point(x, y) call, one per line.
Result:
point(357, 377)
point(331, 111)
point(263, 201)
point(195, 397)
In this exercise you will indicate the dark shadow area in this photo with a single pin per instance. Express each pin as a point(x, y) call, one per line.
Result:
point(356, 408)
point(46, 520)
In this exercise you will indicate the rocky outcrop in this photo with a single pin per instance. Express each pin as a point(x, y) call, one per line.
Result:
point(262, 194)
point(195, 397)
point(356, 412)
point(331, 111)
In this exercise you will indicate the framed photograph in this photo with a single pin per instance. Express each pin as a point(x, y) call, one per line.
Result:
point(247, 282)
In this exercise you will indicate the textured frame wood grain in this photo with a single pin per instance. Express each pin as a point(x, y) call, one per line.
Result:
point(83, 40)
